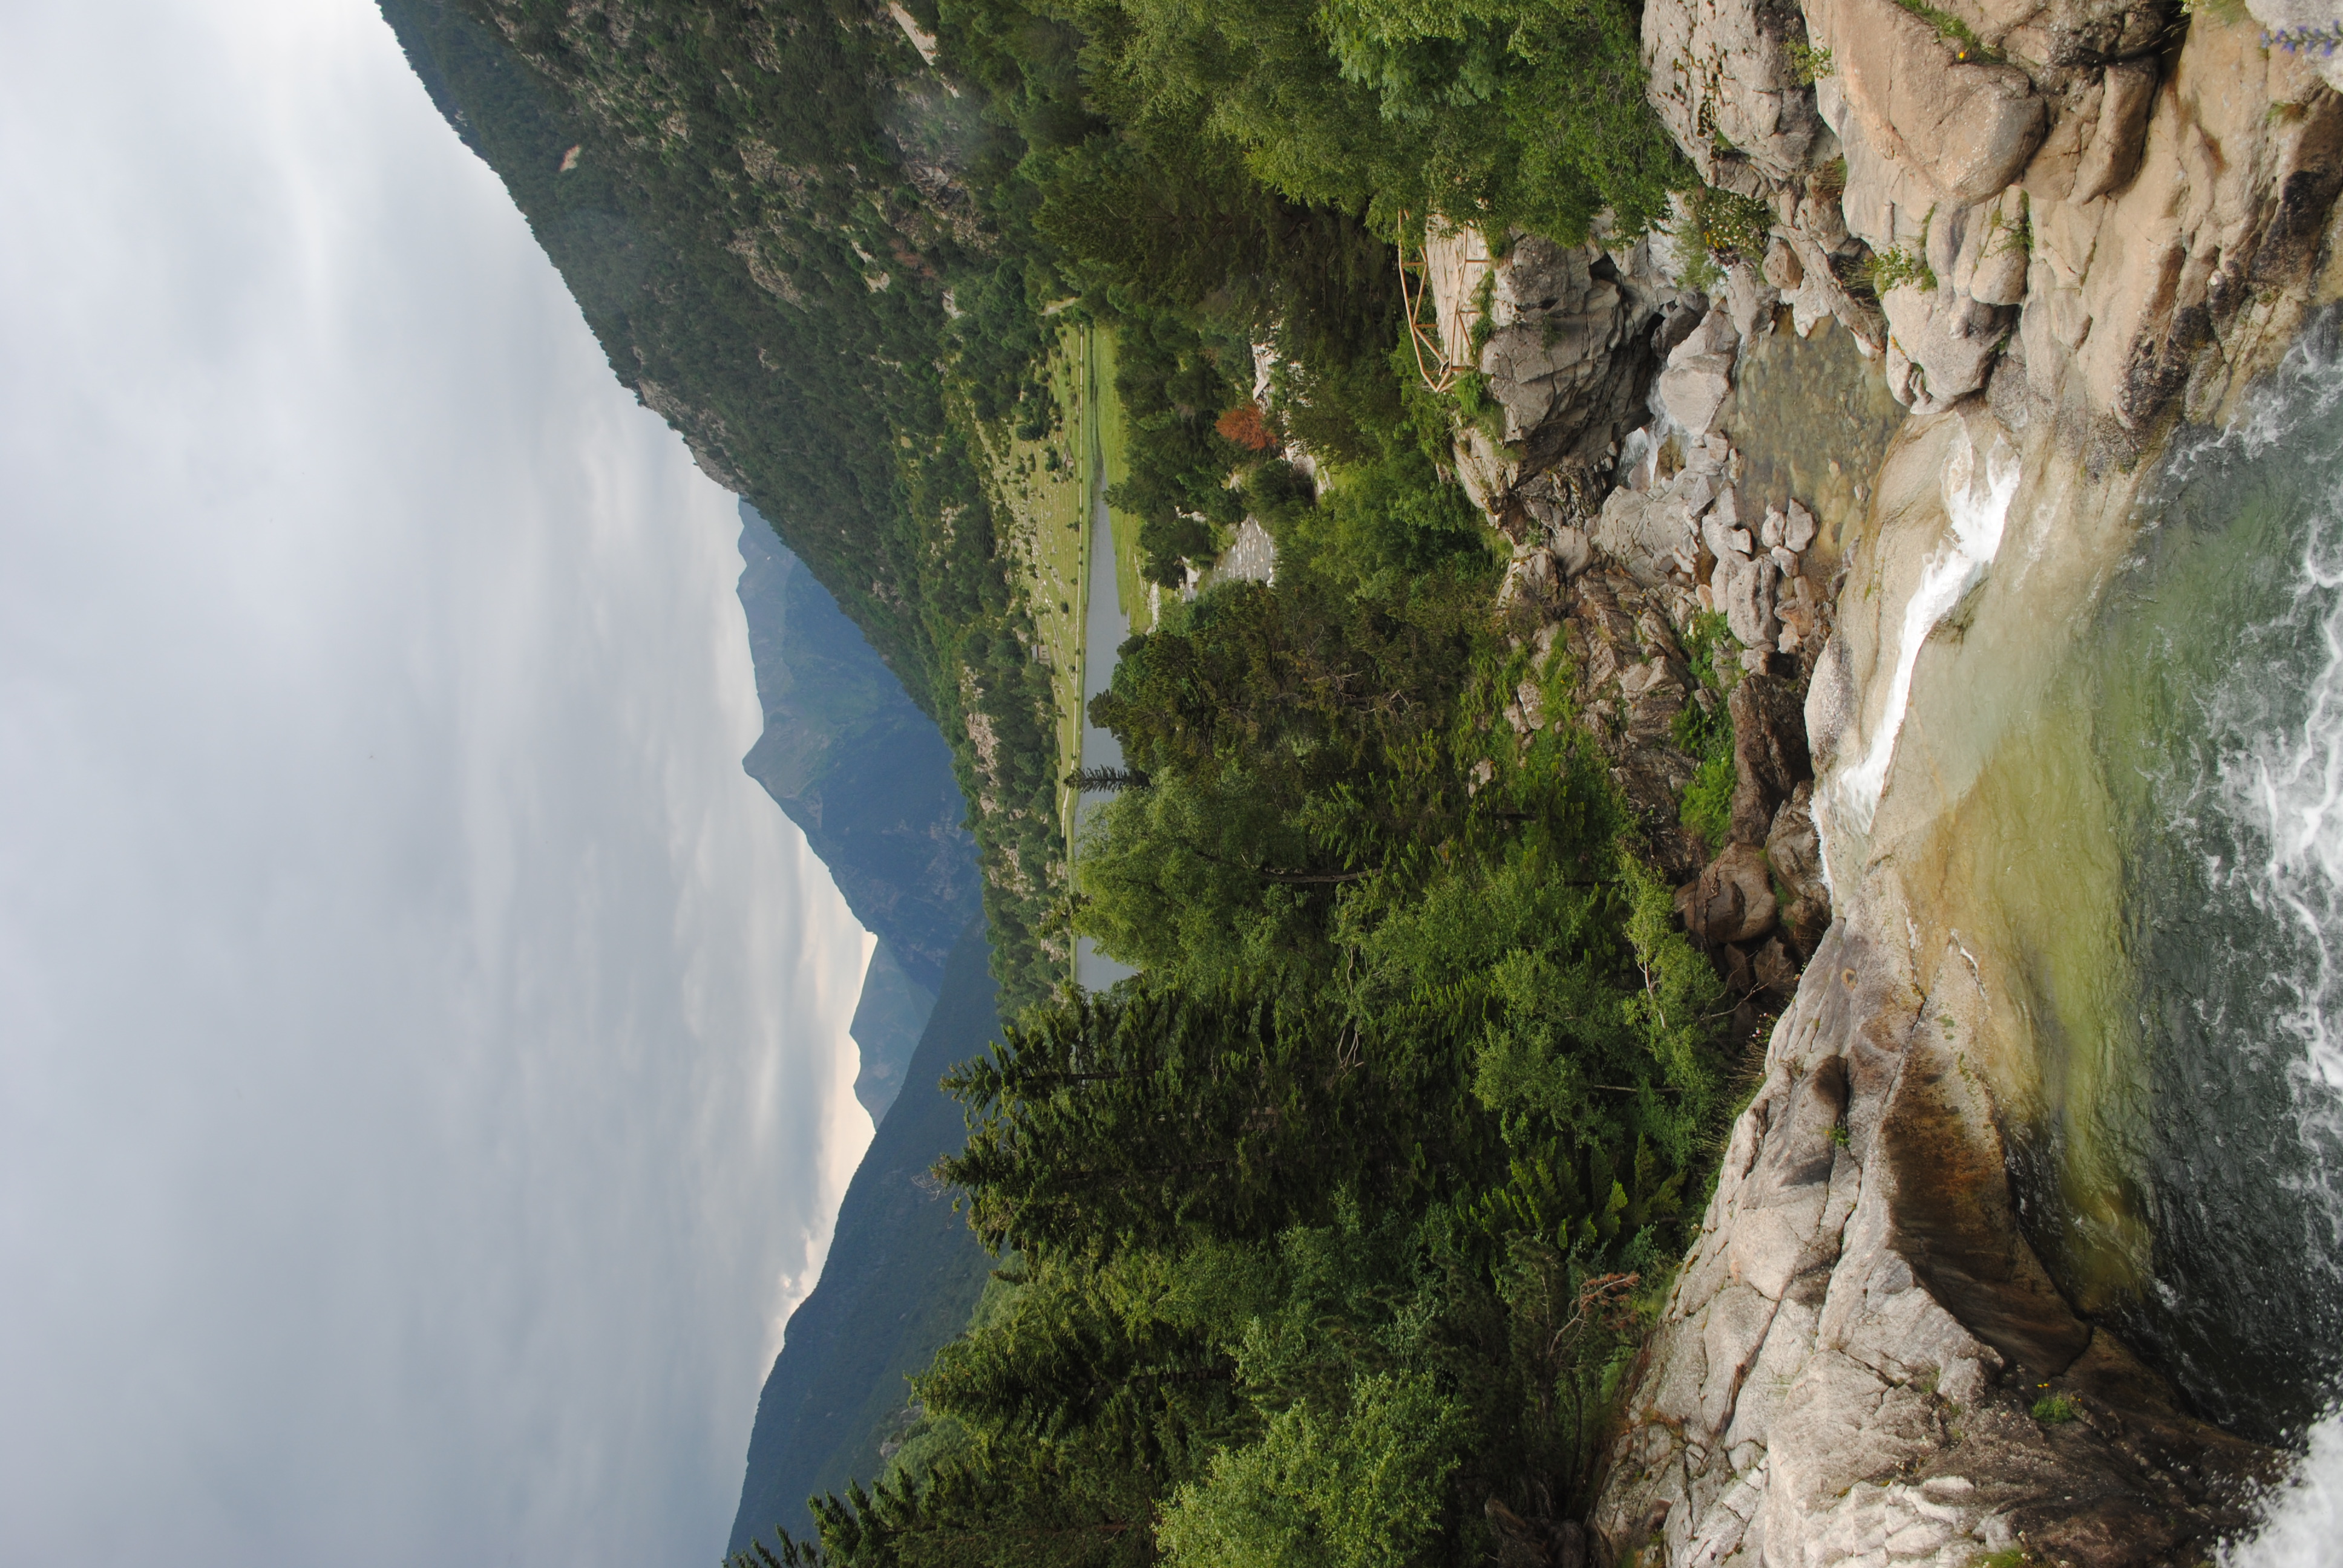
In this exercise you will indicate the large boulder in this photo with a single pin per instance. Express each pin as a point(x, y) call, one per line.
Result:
point(1556, 327)
point(1643, 531)
point(1732, 899)
point(1565, 353)
point(1795, 851)
point(1699, 374)
point(1963, 125)
point(1769, 753)
point(1742, 589)
point(1942, 343)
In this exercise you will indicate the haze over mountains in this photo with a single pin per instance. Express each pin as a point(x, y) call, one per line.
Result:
point(866, 777)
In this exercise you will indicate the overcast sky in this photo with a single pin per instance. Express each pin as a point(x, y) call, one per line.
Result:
point(424, 1082)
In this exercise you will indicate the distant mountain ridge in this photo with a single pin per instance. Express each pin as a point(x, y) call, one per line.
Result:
point(903, 1275)
point(714, 186)
point(866, 779)
point(854, 763)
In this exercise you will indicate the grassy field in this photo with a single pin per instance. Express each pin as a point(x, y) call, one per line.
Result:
point(1037, 491)
point(1131, 588)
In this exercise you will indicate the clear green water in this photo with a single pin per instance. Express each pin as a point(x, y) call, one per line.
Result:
point(2211, 682)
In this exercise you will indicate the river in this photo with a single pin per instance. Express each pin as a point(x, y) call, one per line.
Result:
point(1106, 626)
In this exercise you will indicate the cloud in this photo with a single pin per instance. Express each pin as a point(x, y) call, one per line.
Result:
point(423, 1067)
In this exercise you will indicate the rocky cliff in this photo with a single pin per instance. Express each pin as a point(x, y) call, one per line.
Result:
point(2053, 233)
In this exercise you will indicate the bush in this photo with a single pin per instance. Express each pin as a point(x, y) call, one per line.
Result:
point(1896, 267)
point(1732, 227)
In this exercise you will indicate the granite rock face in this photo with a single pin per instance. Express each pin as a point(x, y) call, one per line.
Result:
point(2072, 218)
point(1724, 77)
point(1849, 1366)
point(2043, 182)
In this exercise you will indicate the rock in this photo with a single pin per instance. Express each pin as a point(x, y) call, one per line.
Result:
point(2138, 297)
point(2111, 156)
point(1678, 318)
point(1775, 967)
point(1721, 73)
point(1751, 300)
point(1566, 355)
point(1695, 488)
point(1769, 754)
point(1794, 851)
point(1769, 532)
point(1746, 596)
point(1531, 577)
point(1732, 899)
point(1798, 529)
point(1950, 340)
point(1966, 126)
point(1558, 328)
point(1843, 1367)
point(1572, 552)
point(1699, 373)
point(1991, 262)
point(1719, 539)
point(1487, 471)
point(1631, 686)
point(1785, 561)
point(1784, 270)
point(1725, 510)
point(1641, 532)
point(1693, 388)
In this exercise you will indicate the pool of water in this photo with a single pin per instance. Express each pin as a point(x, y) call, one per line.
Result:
point(1811, 418)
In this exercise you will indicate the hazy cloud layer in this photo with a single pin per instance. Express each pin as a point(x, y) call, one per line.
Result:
point(423, 1073)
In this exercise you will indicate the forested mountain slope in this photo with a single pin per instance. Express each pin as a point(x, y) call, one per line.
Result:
point(752, 234)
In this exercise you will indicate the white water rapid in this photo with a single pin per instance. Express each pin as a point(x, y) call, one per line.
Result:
point(2303, 1520)
point(2276, 724)
point(2285, 786)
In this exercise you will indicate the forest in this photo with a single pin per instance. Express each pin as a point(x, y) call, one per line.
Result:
point(1327, 1239)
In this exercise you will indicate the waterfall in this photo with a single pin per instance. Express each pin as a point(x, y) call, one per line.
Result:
point(2303, 1519)
point(1976, 513)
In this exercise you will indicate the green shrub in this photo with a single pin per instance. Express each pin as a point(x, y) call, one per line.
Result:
point(1360, 1488)
point(1708, 800)
point(1808, 63)
point(1897, 266)
point(1732, 226)
point(1705, 731)
point(2058, 1410)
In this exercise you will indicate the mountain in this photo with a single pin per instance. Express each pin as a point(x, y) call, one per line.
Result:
point(762, 215)
point(889, 1020)
point(903, 1274)
point(856, 766)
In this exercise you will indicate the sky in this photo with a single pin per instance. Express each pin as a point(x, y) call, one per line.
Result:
point(424, 1080)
